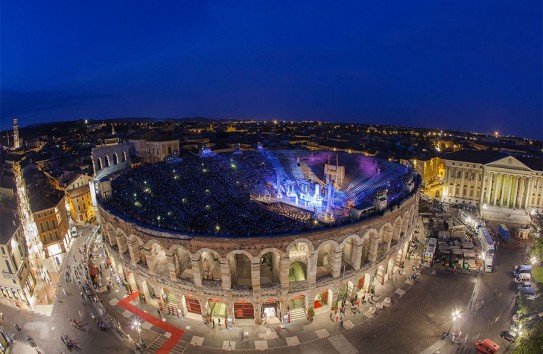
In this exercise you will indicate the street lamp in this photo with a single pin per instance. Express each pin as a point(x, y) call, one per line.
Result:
point(137, 326)
point(455, 315)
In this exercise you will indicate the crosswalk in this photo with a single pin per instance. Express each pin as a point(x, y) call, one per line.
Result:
point(179, 348)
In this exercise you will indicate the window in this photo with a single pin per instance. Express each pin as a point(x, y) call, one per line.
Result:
point(47, 224)
point(7, 265)
point(50, 237)
point(56, 235)
point(53, 222)
point(41, 227)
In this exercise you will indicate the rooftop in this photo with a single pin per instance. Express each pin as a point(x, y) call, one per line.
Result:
point(9, 222)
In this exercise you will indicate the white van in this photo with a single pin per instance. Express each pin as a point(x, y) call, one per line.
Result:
point(74, 232)
point(523, 278)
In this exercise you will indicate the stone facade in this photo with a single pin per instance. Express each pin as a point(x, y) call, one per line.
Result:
point(192, 273)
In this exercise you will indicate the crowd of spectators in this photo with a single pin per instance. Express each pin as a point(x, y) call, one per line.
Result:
point(214, 195)
point(203, 195)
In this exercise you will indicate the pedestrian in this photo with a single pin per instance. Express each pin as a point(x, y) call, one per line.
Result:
point(158, 311)
point(18, 305)
point(17, 326)
point(213, 324)
point(331, 315)
point(2, 315)
point(219, 322)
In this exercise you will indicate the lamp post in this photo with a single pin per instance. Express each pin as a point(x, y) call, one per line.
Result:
point(136, 325)
point(455, 315)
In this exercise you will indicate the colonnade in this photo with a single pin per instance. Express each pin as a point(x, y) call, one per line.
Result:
point(499, 189)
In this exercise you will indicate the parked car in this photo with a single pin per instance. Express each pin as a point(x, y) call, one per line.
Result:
point(508, 335)
point(523, 285)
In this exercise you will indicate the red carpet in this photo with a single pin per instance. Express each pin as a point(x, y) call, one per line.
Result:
point(176, 332)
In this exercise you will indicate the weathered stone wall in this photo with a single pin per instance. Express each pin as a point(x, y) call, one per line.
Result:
point(355, 245)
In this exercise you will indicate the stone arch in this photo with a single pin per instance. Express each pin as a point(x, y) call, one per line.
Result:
point(115, 158)
point(386, 233)
point(191, 304)
point(367, 240)
point(390, 266)
point(270, 266)
point(209, 261)
point(123, 156)
point(157, 260)
point(240, 268)
point(108, 161)
point(110, 234)
point(350, 251)
point(182, 262)
point(326, 258)
point(297, 271)
point(323, 300)
point(121, 238)
point(397, 229)
point(100, 164)
point(300, 250)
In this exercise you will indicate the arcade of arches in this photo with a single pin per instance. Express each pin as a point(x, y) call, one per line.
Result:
point(263, 279)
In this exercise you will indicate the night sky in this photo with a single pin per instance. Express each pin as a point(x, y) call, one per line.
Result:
point(471, 65)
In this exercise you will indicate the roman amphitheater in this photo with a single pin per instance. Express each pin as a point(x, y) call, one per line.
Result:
point(258, 236)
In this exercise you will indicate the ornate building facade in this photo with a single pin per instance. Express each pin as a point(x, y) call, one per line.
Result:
point(493, 180)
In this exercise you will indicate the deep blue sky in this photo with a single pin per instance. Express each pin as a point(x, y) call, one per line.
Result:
point(469, 65)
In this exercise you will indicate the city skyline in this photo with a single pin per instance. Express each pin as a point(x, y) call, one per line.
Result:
point(470, 67)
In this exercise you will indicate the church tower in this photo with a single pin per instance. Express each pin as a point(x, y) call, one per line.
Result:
point(16, 140)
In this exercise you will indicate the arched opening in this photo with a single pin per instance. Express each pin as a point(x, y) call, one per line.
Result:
point(100, 164)
point(115, 158)
point(217, 311)
point(240, 271)
point(124, 156)
point(365, 252)
point(323, 301)
point(399, 260)
point(364, 286)
point(191, 304)
point(297, 272)
point(390, 267)
point(297, 308)
point(269, 269)
point(396, 233)
point(170, 301)
point(148, 292)
point(324, 261)
point(347, 260)
point(169, 150)
point(379, 278)
point(183, 264)
point(158, 262)
point(244, 310)
point(271, 310)
point(346, 291)
point(108, 162)
point(299, 256)
point(210, 266)
point(132, 285)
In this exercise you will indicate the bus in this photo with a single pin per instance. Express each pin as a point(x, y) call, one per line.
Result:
point(488, 248)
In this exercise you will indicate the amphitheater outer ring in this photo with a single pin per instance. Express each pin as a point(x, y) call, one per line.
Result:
point(138, 252)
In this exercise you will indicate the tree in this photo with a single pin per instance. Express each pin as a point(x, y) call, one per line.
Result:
point(532, 342)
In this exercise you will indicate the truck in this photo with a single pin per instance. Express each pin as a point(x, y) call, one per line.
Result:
point(504, 232)
point(487, 346)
